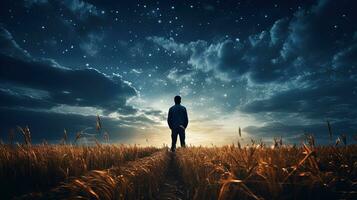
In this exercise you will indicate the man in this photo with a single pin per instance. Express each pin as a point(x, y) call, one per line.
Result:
point(178, 122)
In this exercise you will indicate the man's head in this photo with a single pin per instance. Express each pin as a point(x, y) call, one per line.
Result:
point(177, 99)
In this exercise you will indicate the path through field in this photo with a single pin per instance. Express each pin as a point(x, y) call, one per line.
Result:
point(158, 175)
point(172, 187)
point(153, 177)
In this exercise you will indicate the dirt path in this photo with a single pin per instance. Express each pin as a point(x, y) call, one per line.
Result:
point(172, 187)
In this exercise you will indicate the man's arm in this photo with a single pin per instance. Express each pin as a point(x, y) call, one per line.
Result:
point(169, 119)
point(185, 119)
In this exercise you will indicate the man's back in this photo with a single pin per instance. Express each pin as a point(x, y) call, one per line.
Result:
point(177, 117)
point(178, 121)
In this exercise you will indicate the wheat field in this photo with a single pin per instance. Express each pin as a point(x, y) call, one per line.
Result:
point(107, 171)
point(34, 168)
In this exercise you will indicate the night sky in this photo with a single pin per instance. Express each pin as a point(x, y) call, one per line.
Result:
point(278, 68)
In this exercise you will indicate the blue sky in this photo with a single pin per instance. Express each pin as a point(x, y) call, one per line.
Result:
point(273, 68)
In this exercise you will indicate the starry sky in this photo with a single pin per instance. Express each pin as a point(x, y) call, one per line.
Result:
point(273, 68)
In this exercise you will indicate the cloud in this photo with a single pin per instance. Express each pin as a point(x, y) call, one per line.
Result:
point(49, 97)
point(292, 133)
point(278, 31)
point(321, 100)
point(201, 55)
point(9, 46)
point(67, 86)
point(307, 109)
point(325, 65)
point(345, 61)
point(216, 57)
point(81, 8)
point(50, 125)
point(137, 49)
point(20, 71)
point(78, 18)
point(300, 71)
point(228, 59)
point(23, 97)
point(291, 47)
point(179, 75)
point(90, 44)
point(169, 44)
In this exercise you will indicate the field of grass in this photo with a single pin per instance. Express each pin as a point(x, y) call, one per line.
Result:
point(264, 173)
point(26, 168)
point(132, 172)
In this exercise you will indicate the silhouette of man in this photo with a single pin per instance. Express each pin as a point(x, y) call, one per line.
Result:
point(178, 121)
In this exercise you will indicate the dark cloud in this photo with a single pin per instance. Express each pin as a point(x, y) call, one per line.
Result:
point(296, 133)
point(316, 33)
point(290, 48)
point(138, 121)
point(75, 23)
point(180, 74)
point(278, 31)
point(49, 97)
point(12, 98)
point(169, 44)
point(86, 87)
point(156, 113)
point(90, 44)
point(81, 8)
point(331, 100)
point(50, 126)
point(9, 46)
point(345, 63)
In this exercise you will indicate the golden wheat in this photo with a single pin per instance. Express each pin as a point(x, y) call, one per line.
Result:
point(26, 168)
point(264, 173)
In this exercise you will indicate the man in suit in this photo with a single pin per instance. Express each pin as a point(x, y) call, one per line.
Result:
point(178, 121)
